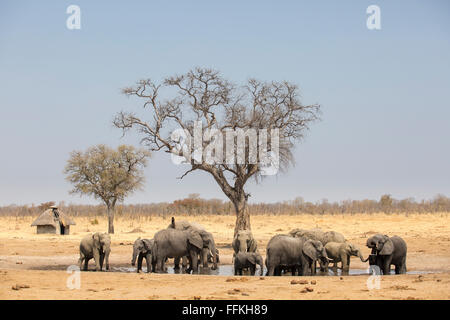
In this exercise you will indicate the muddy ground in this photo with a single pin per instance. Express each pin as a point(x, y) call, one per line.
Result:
point(35, 266)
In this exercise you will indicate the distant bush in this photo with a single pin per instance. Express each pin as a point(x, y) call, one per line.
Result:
point(194, 205)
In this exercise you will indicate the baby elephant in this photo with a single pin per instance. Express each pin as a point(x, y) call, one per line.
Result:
point(96, 246)
point(142, 248)
point(247, 260)
point(341, 252)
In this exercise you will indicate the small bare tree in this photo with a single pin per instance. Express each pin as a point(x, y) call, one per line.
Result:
point(46, 205)
point(204, 95)
point(107, 174)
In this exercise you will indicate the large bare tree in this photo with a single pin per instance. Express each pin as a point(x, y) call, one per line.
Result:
point(107, 174)
point(204, 95)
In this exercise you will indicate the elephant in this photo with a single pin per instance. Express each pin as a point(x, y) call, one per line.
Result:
point(142, 248)
point(387, 251)
point(313, 234)
point(299, 254)
point(173, 243)
point(97, 246)
point(209, 252)
point(248, 260)
point(341, 252)
point(318, 234)
point(332, 236)
point(243, 241)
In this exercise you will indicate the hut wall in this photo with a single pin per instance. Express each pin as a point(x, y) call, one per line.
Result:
point(46, 229)
point(66, 229)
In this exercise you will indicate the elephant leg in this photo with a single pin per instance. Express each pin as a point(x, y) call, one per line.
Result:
point(153, 264)
point(313, 267)
point(139, 264)
point(176, 262)
point(97, 260)
point(270, 271)
point(252, 270)
point(107, 261)
point(86, 263)
point(160, 264)
point(184, 262)
point(278, 271)
point(102, 259)
point(80, 261)
point(345, 262)
point(148, 260)
point(403, 268)
point(305, 269)
point(194, 261)
point(204, 257)
point(188, 265)
point(387, 266)
point(293, 270)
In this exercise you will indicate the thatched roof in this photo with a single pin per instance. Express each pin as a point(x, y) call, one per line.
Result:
point(48, 218)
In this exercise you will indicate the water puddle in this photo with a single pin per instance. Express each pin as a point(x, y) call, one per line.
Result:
point(228, 270)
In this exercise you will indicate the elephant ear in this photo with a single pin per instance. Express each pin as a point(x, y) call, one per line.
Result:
point(252, 258)
point(235, 243)
point(211, 243)
point(388, 247)
point(147, 244)
point(96, 238)
point(310, 250)
point(349, 248)
point(252, 245)
point(206, 237)
point(195, 239)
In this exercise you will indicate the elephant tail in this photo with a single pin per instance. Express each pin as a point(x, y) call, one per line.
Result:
point(154, 249)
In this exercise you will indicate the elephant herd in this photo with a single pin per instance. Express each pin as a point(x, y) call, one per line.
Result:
point(297, 252)
point(300, 250)
point(187, 242)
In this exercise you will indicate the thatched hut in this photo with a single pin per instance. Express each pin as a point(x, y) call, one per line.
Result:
point(53, 221)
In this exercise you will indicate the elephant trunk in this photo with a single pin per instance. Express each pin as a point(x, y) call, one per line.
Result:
point(242, 246)
point(135, 254)
point(324, 255)
point(107, 252)
point(361, 257)
point(213, 250)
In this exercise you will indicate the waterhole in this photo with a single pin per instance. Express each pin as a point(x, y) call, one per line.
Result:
point(228, 270)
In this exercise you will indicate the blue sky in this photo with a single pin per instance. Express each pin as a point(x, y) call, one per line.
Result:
point(384, 93)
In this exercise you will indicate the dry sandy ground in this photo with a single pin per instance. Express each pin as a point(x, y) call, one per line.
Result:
point(34, 266)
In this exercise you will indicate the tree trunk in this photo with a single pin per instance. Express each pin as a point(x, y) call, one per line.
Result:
point(110, 212)
point(242, 215)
